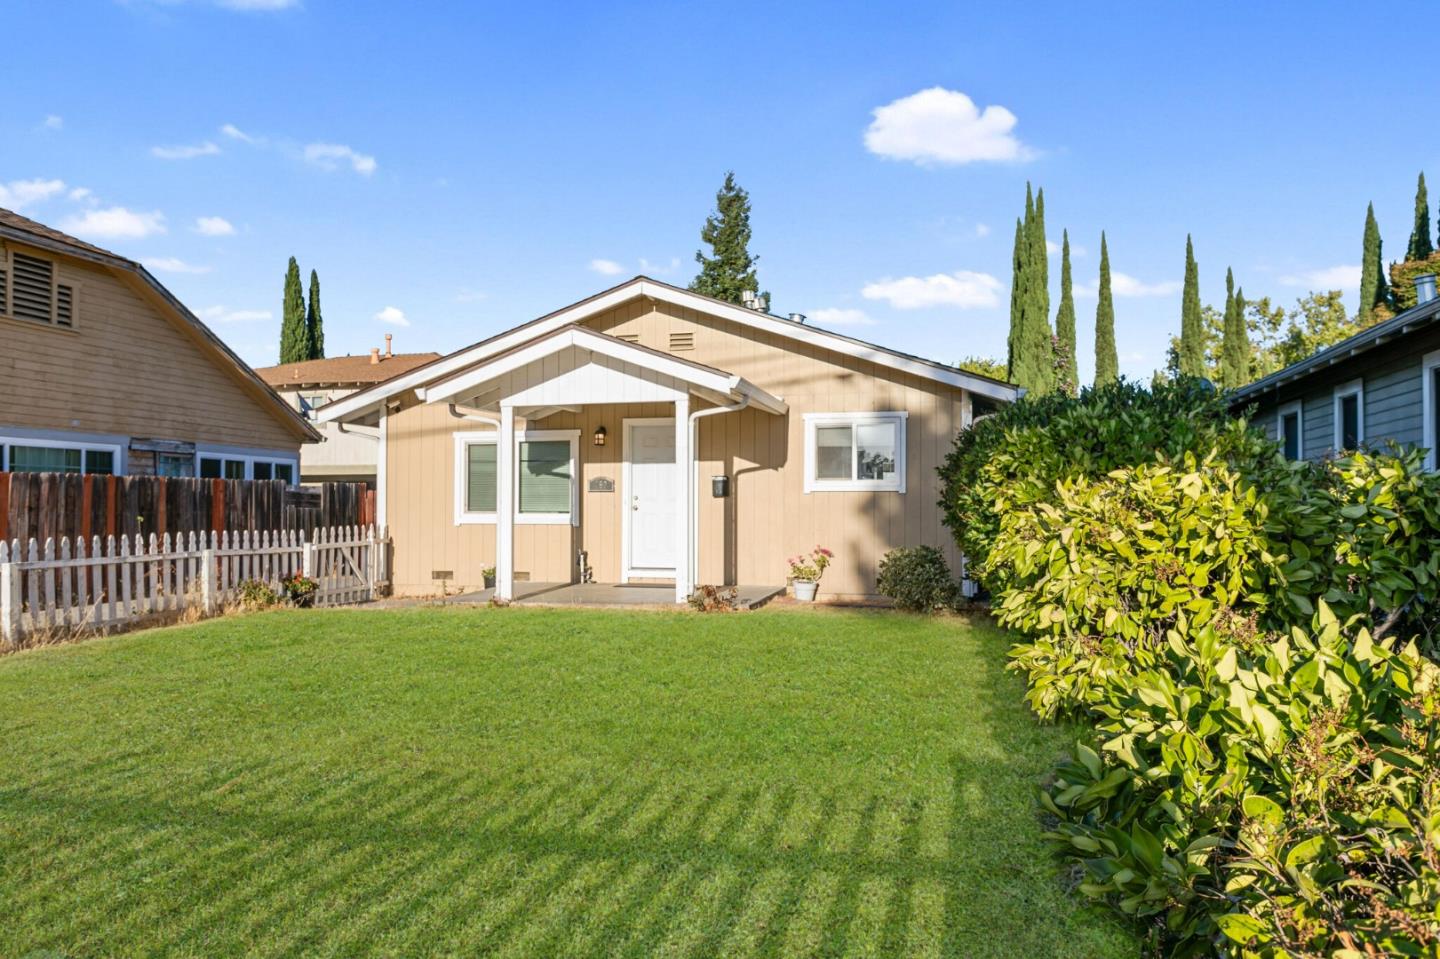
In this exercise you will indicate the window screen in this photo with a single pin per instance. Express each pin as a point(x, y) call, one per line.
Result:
point(832, 452)
point(545, 476)
point(480, 478)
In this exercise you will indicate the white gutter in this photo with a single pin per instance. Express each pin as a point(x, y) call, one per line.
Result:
point(477, 416)
point(693, 494)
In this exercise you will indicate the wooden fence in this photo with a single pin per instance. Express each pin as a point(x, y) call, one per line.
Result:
point(80, 586)
point(45, 506)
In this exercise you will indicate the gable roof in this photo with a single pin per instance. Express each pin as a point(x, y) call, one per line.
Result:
point(1412, 320)
point(644, 286)
point(717, 384)
point(24, 230)
point(342, 369)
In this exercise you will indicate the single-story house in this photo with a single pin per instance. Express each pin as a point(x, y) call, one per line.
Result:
point(1379, 386)
point(103, 370)
point(651, 434)
point(344, 454)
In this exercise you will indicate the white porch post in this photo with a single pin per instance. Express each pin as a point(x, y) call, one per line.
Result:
point(505, 505)
point(685, 466)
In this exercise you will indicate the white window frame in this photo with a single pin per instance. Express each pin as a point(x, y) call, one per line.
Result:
point(464, 517)
point(117, 462)
point(814, 421)
point(1355, 388)
point(1298, 408)
point(1428, 364)
point(250, 459)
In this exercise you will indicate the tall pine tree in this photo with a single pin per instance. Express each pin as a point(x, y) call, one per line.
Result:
point(1032, 354)
point(294, 343)
point(314, 323)
point(730, 269)
point(1065, 321)
point(1192, 326)
point(1373, 288)
point(1040, 256)
point(1420, 246)
point(1017, 296)
point(1235, 342)
point(1107, 361)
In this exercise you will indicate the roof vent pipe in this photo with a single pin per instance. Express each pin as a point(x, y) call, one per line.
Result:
point(374, 356)
point(797, 317)
point(388, 338)
point(1424, 288)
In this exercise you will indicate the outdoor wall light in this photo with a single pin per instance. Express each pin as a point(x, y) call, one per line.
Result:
point(599, 436)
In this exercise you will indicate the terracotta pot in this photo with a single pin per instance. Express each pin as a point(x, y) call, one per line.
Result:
point(805, 590)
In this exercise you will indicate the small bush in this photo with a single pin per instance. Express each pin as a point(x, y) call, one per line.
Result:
point(254, 594)
point(918, 579)
point(714, 599)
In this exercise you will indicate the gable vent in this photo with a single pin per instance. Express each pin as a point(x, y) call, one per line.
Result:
point(682, 341)
point(628, 337)
point(64, 305)
point(33, 288)
point(4, 287)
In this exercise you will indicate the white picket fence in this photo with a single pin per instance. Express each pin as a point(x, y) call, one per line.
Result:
point(103, 586)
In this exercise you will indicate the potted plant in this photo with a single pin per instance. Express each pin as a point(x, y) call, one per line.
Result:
point(806, 570)
point(301, 590)
point(489, 573)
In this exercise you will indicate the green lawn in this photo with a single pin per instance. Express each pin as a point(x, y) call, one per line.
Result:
point(530, 783)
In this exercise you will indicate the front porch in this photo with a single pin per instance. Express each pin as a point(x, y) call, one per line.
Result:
point(611, 594)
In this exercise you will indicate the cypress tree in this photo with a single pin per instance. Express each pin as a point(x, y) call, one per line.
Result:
point(1040, 256)
point(1107, 362)
point(1372, 271)
point(314, 322)
point(1420, 246)
point(1017, 293)
point(1235, 345)
point(1065, 317)
point(730, 269)
point(1192, 327)
point(1032, 360)
point(294, 347)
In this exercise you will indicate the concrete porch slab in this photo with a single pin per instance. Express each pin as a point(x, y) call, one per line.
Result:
point(610, 594)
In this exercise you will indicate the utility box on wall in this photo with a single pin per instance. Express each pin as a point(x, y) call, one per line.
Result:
point(719, 486)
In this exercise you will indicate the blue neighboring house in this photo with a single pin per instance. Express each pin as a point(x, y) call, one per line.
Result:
point(1378, 386)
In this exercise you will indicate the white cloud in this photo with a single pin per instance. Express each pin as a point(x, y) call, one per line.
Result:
point(659, 269)
point(235, 133)
point(18, 194)
point(258, 4)
point(606, 267)
point(170, 264)
point(116, 221)
point(392, 316)
point(83, 194)
point(982, 230)
point(963, 288)
point(185, 151)
point(1053, 249)
point(54, 121)
point(328, 156)
point(939, 126)
point(1330, 278)
point(841, 316)
point(214, 226)
point(223, 314)
point(1125, 285)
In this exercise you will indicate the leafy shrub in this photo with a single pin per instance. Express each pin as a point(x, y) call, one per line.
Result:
point(1015, 457)
point(300, 589)
point(256, 595)
point(714, 599)
point(1286, 798)
point(918, 579)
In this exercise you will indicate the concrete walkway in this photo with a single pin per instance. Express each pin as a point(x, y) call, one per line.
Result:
point(609, 594)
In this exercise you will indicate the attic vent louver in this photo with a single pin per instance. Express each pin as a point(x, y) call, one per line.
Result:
point(64, 305)
point(682, 341)
point(4, 287)
point(628, 337)
point(33, 288)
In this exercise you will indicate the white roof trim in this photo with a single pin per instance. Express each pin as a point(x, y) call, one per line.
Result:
point(366, 400)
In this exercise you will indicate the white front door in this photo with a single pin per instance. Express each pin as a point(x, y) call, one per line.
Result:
point(651, 492)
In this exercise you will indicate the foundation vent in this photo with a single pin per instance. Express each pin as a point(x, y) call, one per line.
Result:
point(681, 341)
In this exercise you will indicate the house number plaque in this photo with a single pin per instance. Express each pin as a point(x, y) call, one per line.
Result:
point(601, 484)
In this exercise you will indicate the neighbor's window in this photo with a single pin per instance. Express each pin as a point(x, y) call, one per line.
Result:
point(1289, 431)
point(28, 458)
point(174, 464)
point(855, 451)
point(1350, 415)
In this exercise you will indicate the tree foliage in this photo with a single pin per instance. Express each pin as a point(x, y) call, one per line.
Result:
point(1107, 360)
point(1066, 380)
point(985, 366)
point(1031, 359)
point(1235, 342)
point(1374, 291)
point(729, 271)
point(314, 322)
point(1420, 246)
point(294, 341)
point(1192, 330)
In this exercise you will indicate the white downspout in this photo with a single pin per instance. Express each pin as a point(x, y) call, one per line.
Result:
point(691, 480)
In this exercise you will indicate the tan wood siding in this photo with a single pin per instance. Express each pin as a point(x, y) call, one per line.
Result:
point(124, 369)
point(743, 538)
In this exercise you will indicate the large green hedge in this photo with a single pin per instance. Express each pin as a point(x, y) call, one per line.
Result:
point(1262, 780)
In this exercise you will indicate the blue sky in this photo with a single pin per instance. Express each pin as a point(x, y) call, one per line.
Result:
point(455, 169)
